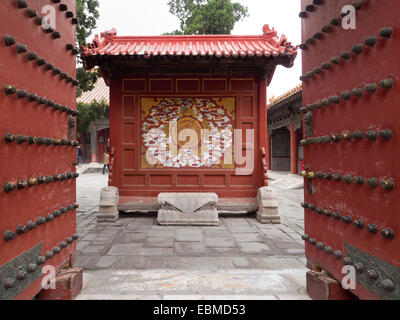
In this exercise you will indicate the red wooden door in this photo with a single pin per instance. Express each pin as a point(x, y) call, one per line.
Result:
point(351, 99)
point(37, 147)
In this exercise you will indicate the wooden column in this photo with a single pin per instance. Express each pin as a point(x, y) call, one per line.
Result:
point(267, 149)
point(93, 142)
point(263, 124)
point(116, 126)
point(270, 152)
point(293, 150)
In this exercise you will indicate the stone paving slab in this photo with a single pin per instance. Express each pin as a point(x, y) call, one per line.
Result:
point(132, 237)
point(219, 242)
point(161, 233)
point(254, 247)
point(90, 262)
point(218, 263)
point(120, 240)
point(241, 230)
point(184, 263)
point(95, 249)
point(190, 248)
point(295, 251)
point(248, 237)
point(241, 262)
point(224, 234)
point(274, 263)
point(158, 243)
point(136, 243)
point(188, 236)
point(162, 252)
point(106, 262)
point(223, 251)
point(130, 262)
point(127, 249)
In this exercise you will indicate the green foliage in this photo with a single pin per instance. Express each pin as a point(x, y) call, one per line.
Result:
point(89, 113)
point(207, 16)
point(87, 80)
point(87, 12)
point(173, 33)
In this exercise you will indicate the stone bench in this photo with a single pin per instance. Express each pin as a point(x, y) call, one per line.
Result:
point(188, 209)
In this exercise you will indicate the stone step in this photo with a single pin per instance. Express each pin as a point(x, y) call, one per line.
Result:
point(193, 284)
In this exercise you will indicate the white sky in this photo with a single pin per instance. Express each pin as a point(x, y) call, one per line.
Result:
point(152, 17)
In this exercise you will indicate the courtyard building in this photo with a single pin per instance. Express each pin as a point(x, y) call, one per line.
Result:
point(285, 131)
point(188, 114)
point(96, 142)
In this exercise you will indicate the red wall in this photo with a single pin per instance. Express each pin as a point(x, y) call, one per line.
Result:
point(128, 175)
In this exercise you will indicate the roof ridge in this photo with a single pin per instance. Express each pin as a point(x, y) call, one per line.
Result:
point(273, 101)
point(269, 42)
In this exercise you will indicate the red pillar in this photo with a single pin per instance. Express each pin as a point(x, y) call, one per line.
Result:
point(269, 153)
point(267, 150)
point(94, 143)
point(263, 132)
point(293, 150)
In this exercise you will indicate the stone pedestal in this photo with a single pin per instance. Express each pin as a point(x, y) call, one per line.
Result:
point(267, 206)
point(108, 208)
point(188, 209)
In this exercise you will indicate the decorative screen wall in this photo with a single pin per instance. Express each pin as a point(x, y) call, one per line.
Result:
point(155, 112)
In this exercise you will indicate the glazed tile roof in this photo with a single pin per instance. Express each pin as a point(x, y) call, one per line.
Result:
point(286, 96)
point(99, 93)
point(268, 44)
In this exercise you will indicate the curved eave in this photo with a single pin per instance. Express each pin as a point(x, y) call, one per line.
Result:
point(266, 61)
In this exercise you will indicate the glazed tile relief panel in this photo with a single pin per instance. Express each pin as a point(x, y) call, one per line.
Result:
point(187, 132)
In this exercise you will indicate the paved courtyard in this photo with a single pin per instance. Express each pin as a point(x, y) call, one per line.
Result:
point(135, 258)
